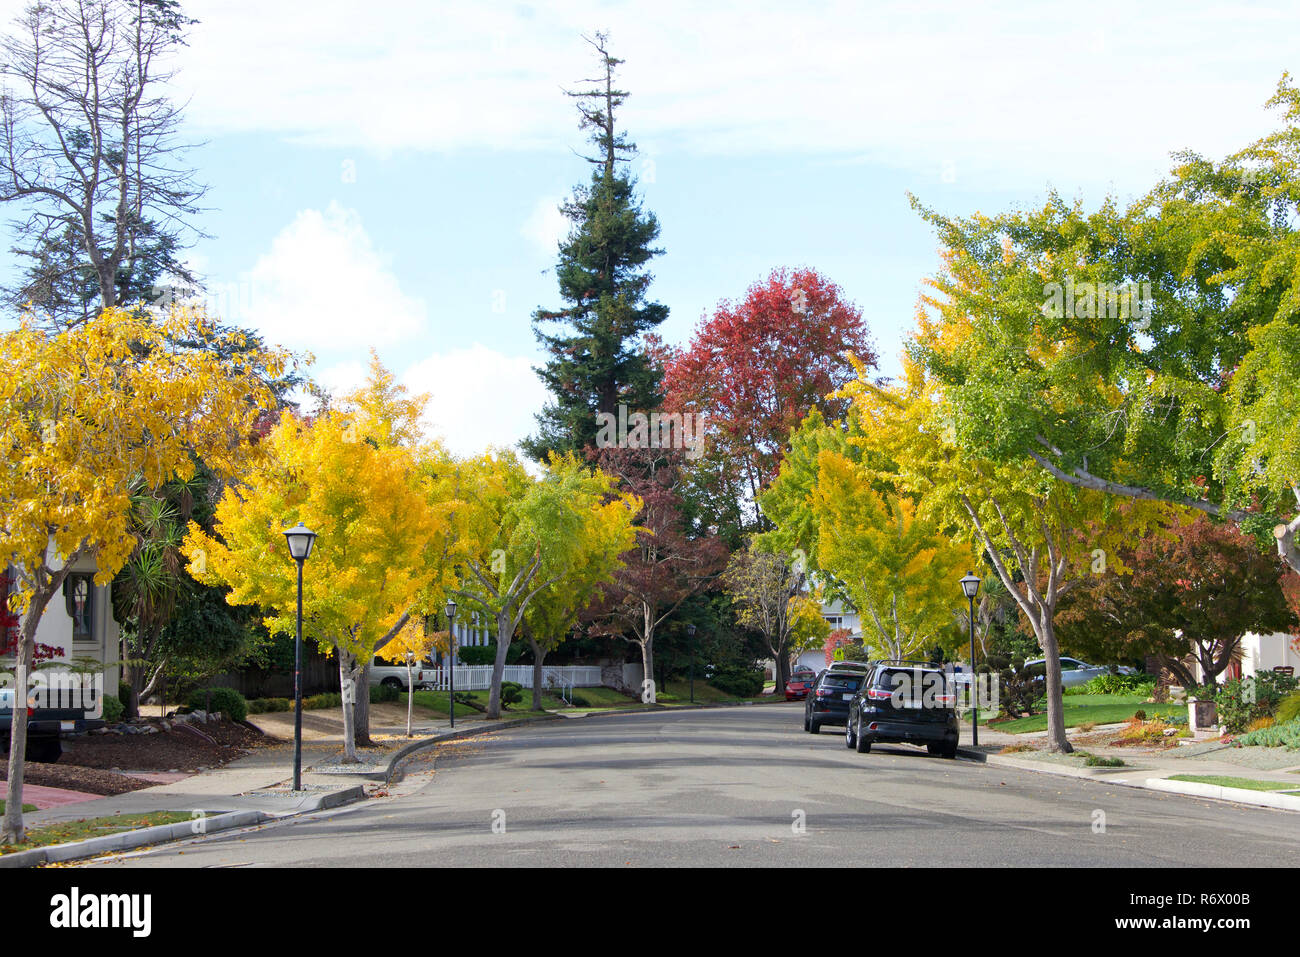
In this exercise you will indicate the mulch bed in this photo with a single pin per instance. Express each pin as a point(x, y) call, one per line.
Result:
point(95, 763)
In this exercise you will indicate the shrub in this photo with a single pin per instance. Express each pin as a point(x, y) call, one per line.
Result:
point(1121, 684)
point(1093, 761)
point(124, 692)
point(578, 701)
point(1242, 702)
point(1278, 736)
point(738, 682)
point(113, 709)
point(511, 693)
point(1139, 715)
point(226, 700)
point(269, 705)
point(328, 699)
point(1259, 724)
point(1289, 708)
point(379, 694)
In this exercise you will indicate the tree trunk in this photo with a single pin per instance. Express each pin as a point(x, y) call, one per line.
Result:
point(12, 830)
point(348, 687)
point(410, 693)
point(499, 665)
point(361, 711)
point(1055, 702)
point(649, 693)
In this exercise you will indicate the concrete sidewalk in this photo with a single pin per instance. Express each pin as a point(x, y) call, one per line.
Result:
point(1151, 768)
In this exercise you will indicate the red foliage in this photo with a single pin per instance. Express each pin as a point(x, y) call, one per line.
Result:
point(756, 367)
point(10, 627)
point(836, 639)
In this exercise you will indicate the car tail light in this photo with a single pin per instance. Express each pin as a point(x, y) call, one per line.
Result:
point(946, 700)
point(873, 726)
point(879, 694)
point(31, 712)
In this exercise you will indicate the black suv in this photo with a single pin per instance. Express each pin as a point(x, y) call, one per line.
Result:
point(828, 700)
point(904, 701)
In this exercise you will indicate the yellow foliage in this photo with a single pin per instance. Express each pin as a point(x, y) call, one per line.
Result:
point(89, 414)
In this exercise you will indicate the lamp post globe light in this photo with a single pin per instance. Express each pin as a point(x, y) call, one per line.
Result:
point(300, 539)
point(970, 586)
point(451, 654)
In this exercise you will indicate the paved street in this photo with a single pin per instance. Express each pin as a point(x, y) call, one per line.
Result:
point(727, 787)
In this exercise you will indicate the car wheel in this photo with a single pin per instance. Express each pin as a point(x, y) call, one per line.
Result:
point(850, 740)
point(950, 751)
point(861, 744)
point(805, 722)
point(815, 727)
point(934, 747)
point(391, 682)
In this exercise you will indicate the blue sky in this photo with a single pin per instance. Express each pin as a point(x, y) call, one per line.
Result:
point(386, 174)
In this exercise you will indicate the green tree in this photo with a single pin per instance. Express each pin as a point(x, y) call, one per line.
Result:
point(598, 359)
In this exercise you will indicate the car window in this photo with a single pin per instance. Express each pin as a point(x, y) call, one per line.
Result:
point(841, 683)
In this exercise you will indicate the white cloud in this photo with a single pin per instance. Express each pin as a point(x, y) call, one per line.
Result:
point(478, 397)
point(928, 86)
point(322, 285)
point(546, 226)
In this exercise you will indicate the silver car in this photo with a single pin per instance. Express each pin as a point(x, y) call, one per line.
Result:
point(1075, 672)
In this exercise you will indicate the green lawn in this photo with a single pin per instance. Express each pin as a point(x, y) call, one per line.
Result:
point(1097, 708)
point(27, 808)
point(68, 831)
point(1224, 781)
point(439, 702)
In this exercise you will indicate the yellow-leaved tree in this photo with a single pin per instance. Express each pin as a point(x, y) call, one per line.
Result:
point(898, 567)
point(412, 645)
point(87, 416)
point(379, 558)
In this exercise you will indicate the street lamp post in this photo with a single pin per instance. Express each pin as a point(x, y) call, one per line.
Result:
point(690, 633)
point(970, 586)
point(451, 654)
point(300, 539)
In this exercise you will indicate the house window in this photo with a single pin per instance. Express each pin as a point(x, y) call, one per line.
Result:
point(79, 594)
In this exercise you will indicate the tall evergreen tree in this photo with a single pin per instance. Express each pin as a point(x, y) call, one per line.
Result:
point(597, 352)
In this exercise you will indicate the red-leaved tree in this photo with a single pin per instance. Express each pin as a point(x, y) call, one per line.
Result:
point(755, 367)
point(668, 564)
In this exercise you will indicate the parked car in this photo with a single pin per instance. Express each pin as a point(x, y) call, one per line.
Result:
point(394, 675)
point(904, 702)
point(45, 727)
point(1075, 672)
point(796, 688)
point(828, 700)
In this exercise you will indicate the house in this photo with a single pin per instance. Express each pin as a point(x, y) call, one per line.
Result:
point(839, 615)
point(1269, 652)
point(78, 627)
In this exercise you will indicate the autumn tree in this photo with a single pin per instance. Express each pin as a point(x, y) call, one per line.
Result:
point(410, 646)
point(89, 152)
point(88, 416)
point(665, 567)
point(1174, 331)
point(606, 534)
point(379, 558)
point(767, 589)
point(516, 536)
point(897, 565)
point(1198, 589)
point(597, 359)
point(1043, 536)
point(755, 368)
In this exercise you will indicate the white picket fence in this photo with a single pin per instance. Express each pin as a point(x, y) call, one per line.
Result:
point(479, 677)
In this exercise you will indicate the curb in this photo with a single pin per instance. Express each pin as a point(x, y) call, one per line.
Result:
point(401, 754)
point(181, 830)
point(1285, 802)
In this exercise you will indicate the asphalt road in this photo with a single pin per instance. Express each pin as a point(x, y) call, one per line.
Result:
point(741, 787)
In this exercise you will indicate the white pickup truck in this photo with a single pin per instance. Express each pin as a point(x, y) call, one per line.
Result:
point(394, 675)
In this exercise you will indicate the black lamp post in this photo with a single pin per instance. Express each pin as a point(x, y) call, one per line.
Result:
point(300, 538)
point(451, 654)
point(690, 633)
point(970, 586)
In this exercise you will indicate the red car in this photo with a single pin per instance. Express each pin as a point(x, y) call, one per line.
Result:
point(796, 689)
